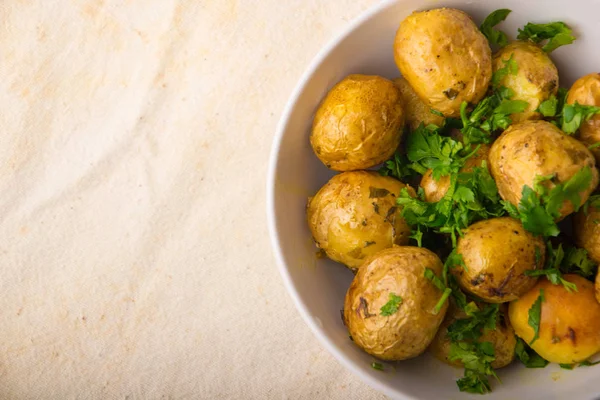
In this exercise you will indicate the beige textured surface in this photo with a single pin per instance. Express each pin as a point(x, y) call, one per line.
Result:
point(133, 150)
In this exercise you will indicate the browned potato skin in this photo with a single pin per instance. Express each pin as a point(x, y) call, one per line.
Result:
point(536, 78)
point(598, 286)
point(444, 57)
point(349, 225)
point(358, 124)
point(532, 148)
point(503, 338)
point(408, 332)
point(497, 252)
point(416, 111)
point(436, 190)
point(586, 232)
point(586, 91)
point(570, 322)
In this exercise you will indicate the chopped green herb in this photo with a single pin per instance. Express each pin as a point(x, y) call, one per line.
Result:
point(567, 366)
point(556, 33)
point(576, 261)
point(528, 357)
point(588, 363)
point(436, 112)
point(399, 167)
point(510, 68)
point(473, 327)
point(535, 315)
point(495, 36)
point(377, 366)
point(549, 108)
point(418, 236)
point(438, 306)
point(477, 358)
point(593, 146)
point(573, 115)
point(391, 307)
point(437, 282)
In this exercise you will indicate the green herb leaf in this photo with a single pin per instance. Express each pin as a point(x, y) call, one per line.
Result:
point(438, 306)
point(377, 366)
point(477, 358)
point(588, 363)
point(573, 115)
point(436, 112)
point(549, 108)
point(391, 307)
point(428, 149)
point(556, 33)
point(567, 366)
point(473, 327)
point(535, 315)
point(398, 167)
point(495, 36)
point(576, 261)
point(528, 357)
point(510, 68)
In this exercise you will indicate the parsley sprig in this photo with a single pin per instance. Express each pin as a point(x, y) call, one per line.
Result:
point(554, 34)
point(495, 36)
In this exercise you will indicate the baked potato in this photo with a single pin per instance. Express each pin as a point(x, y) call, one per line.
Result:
point(586, 232)
point(444, 57)
point(503, 338)
point(538, 148)
point(586, 91)
point(535, 80)
point(407, 329)
point(436, 190)
point(358, 124)
point(496, 253)
point(355, 215)
point(569, 329)
point(598, 286)
point(415, 110)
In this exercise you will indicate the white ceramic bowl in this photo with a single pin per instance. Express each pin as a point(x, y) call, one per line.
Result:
point(318, 286)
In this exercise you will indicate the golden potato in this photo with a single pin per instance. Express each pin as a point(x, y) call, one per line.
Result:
point(536, 78)
point(586, 232)
point(598, 286)
point(586, 91)
point(358, 124)
point(537, 148)
point(497, 252)
point(444, 57)
point(570, 322)
point(503, 338)
point(408, 331)
point(436, 190)
point(415, 110)
point(355, 215)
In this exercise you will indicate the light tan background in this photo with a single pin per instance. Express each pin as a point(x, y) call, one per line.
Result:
point(135, 260)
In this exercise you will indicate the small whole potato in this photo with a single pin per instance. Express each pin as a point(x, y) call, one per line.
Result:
point(569, 324)
point(536, 78)
point(598, 286)
point(406, 330)
point(436, 190)
point(496, 253)
point(358, 124)
point(586, 91)
point(538, 148)
point(503, 338)
point(586, 231)
point(444, 57)
point(415, 110)
point(355, 215)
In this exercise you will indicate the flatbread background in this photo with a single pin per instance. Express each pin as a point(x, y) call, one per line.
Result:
point(134, 255)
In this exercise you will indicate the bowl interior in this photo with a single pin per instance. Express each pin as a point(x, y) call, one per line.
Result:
point(318, 286)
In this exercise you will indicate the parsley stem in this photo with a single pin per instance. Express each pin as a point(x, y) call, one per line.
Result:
point(442, 300)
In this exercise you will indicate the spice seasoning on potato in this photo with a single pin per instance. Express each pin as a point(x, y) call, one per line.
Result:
point(355, 215)
point(444, 57)
point(358, 124)
point(406, 329)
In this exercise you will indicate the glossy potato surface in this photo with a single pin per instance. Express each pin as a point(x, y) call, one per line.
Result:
point(415, 109)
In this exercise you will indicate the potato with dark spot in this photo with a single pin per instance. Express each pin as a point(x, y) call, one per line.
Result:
point(436, 190)
point(538, 148)
point(586, 231)
point(503, 338)
point(570, 321)
point(358, 124)
point(496, 253)
point(536, 78)
point(444, 57)
point(586, 91)
point(355, 215)
point(415, 110)
point(394, 277)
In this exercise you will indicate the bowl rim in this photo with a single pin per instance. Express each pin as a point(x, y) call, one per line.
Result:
point(270, 203)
